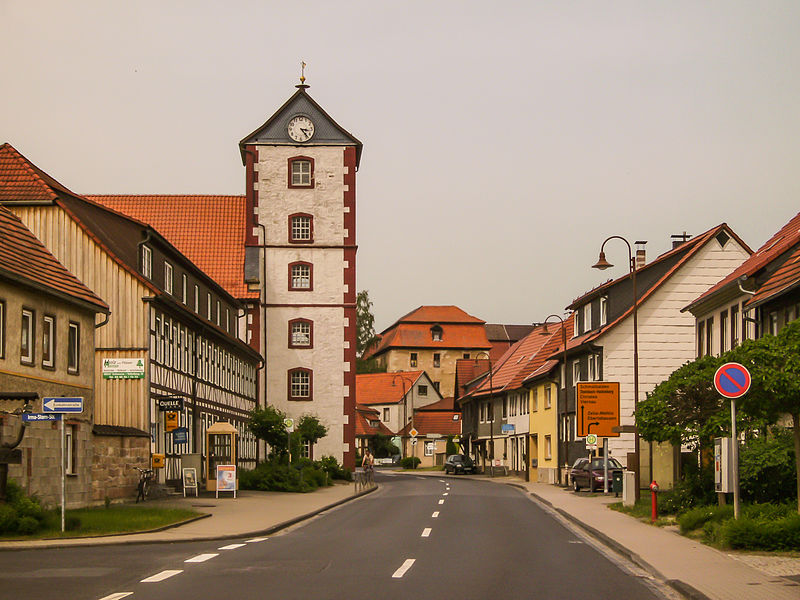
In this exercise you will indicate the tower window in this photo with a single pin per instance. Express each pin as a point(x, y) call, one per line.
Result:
point(301, 172)
point(300, 276)
point(301, 228)
point(301, 333)
point(300, 384)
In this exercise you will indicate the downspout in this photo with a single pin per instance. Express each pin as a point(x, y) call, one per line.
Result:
point(757, 323)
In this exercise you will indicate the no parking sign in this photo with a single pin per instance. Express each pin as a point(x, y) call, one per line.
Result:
point(732, 380)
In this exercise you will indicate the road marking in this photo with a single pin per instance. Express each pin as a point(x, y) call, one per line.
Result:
point(426, 532)
point(161, 576)
point(231, 547)
point(261, 539)
point(201, 558)
point(435, 515)
point(445, 494)
point(402, 570)
point(442, 480)
point(116, 596)
point(575, 542)
point(441, 501)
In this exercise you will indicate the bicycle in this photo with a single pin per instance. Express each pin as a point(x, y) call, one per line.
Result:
point(143, 488)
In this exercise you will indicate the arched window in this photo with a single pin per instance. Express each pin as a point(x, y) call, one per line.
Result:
point(436, 333)
point(300, 384)
point(301, 333)
point(301, 276)
point(301, 228)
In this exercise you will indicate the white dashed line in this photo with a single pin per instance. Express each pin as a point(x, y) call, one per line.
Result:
point(441, 501)
point(231, 547)
point(435, 515)
point(116, 596)
point(201, 558)
point(426, 532)
point(254, 540)
point(161, 576)
point(402, 570)
point(442, 480)
point(445, 494)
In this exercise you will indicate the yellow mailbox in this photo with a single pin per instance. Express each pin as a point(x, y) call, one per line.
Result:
point(221, 443)
point(158, 461)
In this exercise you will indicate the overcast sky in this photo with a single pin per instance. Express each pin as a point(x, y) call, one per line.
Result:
point(503, 141)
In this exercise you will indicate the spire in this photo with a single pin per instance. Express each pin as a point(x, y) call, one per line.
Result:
point(302, 85)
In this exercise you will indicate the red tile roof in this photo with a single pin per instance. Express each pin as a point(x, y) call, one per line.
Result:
point(468, 369)
point(208, 230)
point(25, 259)
point(22, 181)
point(787, 277)
point(788, 236)
point(365, 415)
point(443, 404)
point(443, 422)
point(437, 314)
point(413, 335)
point(384, 388)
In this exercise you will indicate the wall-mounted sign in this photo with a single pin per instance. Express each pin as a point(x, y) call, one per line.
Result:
point(170, 404)
point(508, 428)
point(159, 461)
point(123, 368)
point(180, 435)
point(171, 421)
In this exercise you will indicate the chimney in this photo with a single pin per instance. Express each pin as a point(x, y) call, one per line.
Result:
point(641, 257)
point(679, 239)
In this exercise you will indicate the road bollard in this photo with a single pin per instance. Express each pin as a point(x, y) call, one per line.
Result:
point(654, 507)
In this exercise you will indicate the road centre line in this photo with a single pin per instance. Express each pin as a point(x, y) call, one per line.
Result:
point(116, 596)
point(252, 541)
point(441, 501)
point(405, 567)
point(442, 480)
point(231, 547)
point(445, 494)
point(435, 514)
point(201, 558)
point(161, 576)
point(426, 532)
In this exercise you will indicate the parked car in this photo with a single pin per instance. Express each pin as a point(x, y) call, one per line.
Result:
point(586, 474)
point(459, 463)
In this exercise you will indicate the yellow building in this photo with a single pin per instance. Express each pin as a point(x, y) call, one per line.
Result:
point(543, 427)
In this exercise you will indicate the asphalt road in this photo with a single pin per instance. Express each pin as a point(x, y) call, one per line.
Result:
point(419, 536)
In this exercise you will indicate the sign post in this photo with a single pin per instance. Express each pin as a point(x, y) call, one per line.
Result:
point(289, 424)
point(63, 405)
point(732, 380)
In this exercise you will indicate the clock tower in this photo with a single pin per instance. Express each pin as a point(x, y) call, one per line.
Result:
point(301, 237)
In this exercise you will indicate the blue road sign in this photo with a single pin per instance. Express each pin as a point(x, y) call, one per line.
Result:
point(63, 405)
point(732, 380)
point(36, 417)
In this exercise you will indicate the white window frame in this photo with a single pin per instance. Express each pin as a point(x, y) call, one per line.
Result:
point(592, 375)
point(587, 317)
point(300, 382)
point(301, 334)
point(185, 288)
point(168, 277)
point(548, 397)
point(603, 310)
point(197, 298)
point(301, 176)
point(147, 262)
point(535, 399)
point(26, 330)
point(576, 372)
point(301, 277)
point(74, 348)
point(48, 341)
point(208, 306)
point(301, 228)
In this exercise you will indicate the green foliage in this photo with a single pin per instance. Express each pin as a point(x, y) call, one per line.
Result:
point(334, 470)
point(697, 517)
point(72, 523)
point(695, 488)
point(310, 428)
point(767, 468)
point(382, 446)
point(302, 476)
point(369, 365)
point(450, 447)
point(365, 323)
point(8, 518)
point(410, 462)
point(267, 424)
point(21, 514)
point(761, 534)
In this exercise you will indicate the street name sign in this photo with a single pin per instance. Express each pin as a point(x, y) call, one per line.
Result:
point(62, 405)
point(36, 417)
point(598, 408)
point(732, 380)
point(508, 428)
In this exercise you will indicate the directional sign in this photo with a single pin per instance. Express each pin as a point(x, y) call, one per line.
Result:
point(598, 408)
point(36, 417)
point(63, 405)
point(732, 380)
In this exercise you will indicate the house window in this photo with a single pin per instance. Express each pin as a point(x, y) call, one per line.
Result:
point(218, 312)
point(413, 359)
point(548, 395)
point(301, 229)
point(593, 367)
point(300, 276)
point(386, 415)
point(734, 325)
point(436, 385)
point(723, 331)
point(305, 450)
point(701, 338)
point(466, 355)
point(436, 333)
point(197, 299)
point(437, 360)
point(300, 333)
point(147, 262)
point(422, 390)
point(587, 317)
point(603, 310)
point(300, 384)
point(48, 341)
point(535, 399)
point(69, 450)
point(773, 322)
point(184, 289)
point(301, 172)
point(548, 447)
point(2, 329)
point(74, 347)
point(430, 448)
point(208, 306)
point(710, 336)
point(26, 337)
point(576, 372)
point(505, 407)
point(228, 320)
point(167, 277)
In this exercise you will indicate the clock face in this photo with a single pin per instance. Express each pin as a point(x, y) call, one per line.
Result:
point(301, 128)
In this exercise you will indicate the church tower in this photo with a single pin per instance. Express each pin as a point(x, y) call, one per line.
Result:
point(301, 205)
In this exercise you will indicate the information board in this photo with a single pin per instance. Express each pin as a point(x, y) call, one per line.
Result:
point(598, 408)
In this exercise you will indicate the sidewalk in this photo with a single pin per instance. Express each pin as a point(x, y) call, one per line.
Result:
point(695, 570)
point(249, 514)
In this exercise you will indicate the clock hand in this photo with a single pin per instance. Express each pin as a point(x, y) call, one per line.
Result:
point(305, 131)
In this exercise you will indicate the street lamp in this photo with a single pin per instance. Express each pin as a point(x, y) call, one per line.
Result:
point(558, 420)
point(602, 264)
point(405, 411)
point(491, 405)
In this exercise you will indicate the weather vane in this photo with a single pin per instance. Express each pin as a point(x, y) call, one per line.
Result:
point(302, 72)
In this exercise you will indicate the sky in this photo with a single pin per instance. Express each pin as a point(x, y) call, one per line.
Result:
point(503, 141)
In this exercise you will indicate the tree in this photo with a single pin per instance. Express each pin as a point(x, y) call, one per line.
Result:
point(267, 424)
point(310, 429)
point(365, 323)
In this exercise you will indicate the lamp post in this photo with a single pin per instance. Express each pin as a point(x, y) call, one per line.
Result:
point(602, 264)
point(491, 405)
point(405, 411)
point(564, 359)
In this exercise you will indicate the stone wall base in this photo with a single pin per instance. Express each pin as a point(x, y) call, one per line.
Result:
point(113, 466)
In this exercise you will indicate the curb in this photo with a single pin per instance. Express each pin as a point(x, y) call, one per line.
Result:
point(268, 531)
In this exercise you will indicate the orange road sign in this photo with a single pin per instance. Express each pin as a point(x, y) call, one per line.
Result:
point(597, 405)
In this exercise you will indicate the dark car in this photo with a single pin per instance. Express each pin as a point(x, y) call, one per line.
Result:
point(585, 474)
point(459, 463)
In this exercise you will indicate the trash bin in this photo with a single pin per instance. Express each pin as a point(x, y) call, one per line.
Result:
point(616, 483)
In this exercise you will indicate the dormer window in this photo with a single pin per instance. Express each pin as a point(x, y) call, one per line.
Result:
point(168, 279)
point(147, 262)
point(436, 333)
point(301, 172)
point(603, 310)
point(587, 317)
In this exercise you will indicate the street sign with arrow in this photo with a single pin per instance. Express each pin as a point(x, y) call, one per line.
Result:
point(62, 405)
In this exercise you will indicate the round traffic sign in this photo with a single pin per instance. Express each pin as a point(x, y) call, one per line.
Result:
point(591, 439)
point(732, 380)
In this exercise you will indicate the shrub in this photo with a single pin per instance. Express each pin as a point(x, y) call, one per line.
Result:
point(27, 525)
point(761, 534)
point(72, 523)
point(697, 517)
point(8, 519)
point(334, 469)
point(696, 488)
point(767, 468)
point(410, 462)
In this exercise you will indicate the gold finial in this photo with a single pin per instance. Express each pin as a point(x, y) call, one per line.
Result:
point(302, 72)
